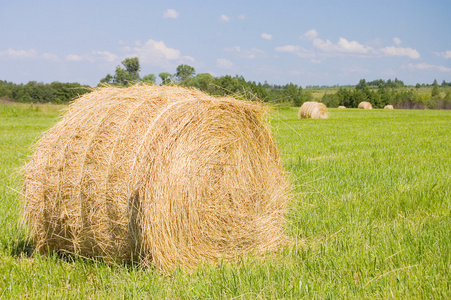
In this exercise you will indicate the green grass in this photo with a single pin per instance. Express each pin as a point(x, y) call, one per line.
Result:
point(372, 203)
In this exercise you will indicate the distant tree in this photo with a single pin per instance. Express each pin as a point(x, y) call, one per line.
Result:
point(435, 89)
point(293, 93)
point(184, 72)
point(124, 76)
point(307, 96)
point(132, 67)
point(107, 79)
point(398, 83)
point(330, 100)
point(165, 77)
point(361, 85)
point(418, 86)
point(149, 78)
point(204, 82)
point(121, 76)
point(385, 96)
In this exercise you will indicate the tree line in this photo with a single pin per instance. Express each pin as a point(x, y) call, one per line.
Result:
point(390, 92)
point(378, 92)
point(38, 92)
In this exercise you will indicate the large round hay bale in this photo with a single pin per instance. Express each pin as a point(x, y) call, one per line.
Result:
point(342, 107)
point(160, 175)
point(389, 106)
point(312, 109)
point(365, 105)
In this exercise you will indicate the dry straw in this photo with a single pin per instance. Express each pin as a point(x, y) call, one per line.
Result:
point(314, 110)
point(165, 176)
point(389, 106)
point(365, 105)
point(341, 106)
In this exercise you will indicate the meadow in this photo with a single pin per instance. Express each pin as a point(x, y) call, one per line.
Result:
point(370, 217)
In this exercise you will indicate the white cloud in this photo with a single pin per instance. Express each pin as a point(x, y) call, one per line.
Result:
point(157, 53)
point(171, 14)
point(446, 54)
point(241, 17)
point(74, 57)
point(266, 36)
point(398, 51)
point(325, 48)
point(427, 67)
point(252, 53)
point(225, 18)
point(223, 63)
point(105, 55)
point(397, 41)
point(18, 53)
point(298, 51)
point(50, 56)
point(288, 48)
point(310, 35)
point(342, 46)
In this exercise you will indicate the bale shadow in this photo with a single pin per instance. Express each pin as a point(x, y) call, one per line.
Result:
point(22, 248)
point(25, 248)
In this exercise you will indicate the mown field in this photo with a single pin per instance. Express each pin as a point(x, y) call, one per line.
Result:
point(371, 215)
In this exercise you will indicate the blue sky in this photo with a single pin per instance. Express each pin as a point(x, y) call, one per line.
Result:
point(304, 42)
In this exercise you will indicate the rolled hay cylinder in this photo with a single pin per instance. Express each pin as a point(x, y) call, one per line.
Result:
point(342, 107)
point(389, 106)
point(313, 110)
point(163, 176)
point(365, 105)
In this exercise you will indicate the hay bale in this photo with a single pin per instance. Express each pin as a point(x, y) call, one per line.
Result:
point(389, 106)
point(365, 105)
point(342, 107)
point(314, 110)
point(156, 175)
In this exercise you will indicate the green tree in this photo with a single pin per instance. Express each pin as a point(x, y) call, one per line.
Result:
point(124, 76)
point(184, 72)
point(293, 93)
point(149, 78)
point(132, 67)
point(435, 90)
point(166, 77)
point(204, 82)
point(121, 76)
point(107, 79)
point(361, 85)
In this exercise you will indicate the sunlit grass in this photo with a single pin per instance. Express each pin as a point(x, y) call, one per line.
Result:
point(371, 215)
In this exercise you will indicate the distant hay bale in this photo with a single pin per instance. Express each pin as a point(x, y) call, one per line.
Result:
point(365, 105)
point(341, 106)
point(163, 176)
point(388, 106)
point(314, 110)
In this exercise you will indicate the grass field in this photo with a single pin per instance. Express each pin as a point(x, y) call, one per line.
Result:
point(371, 214)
